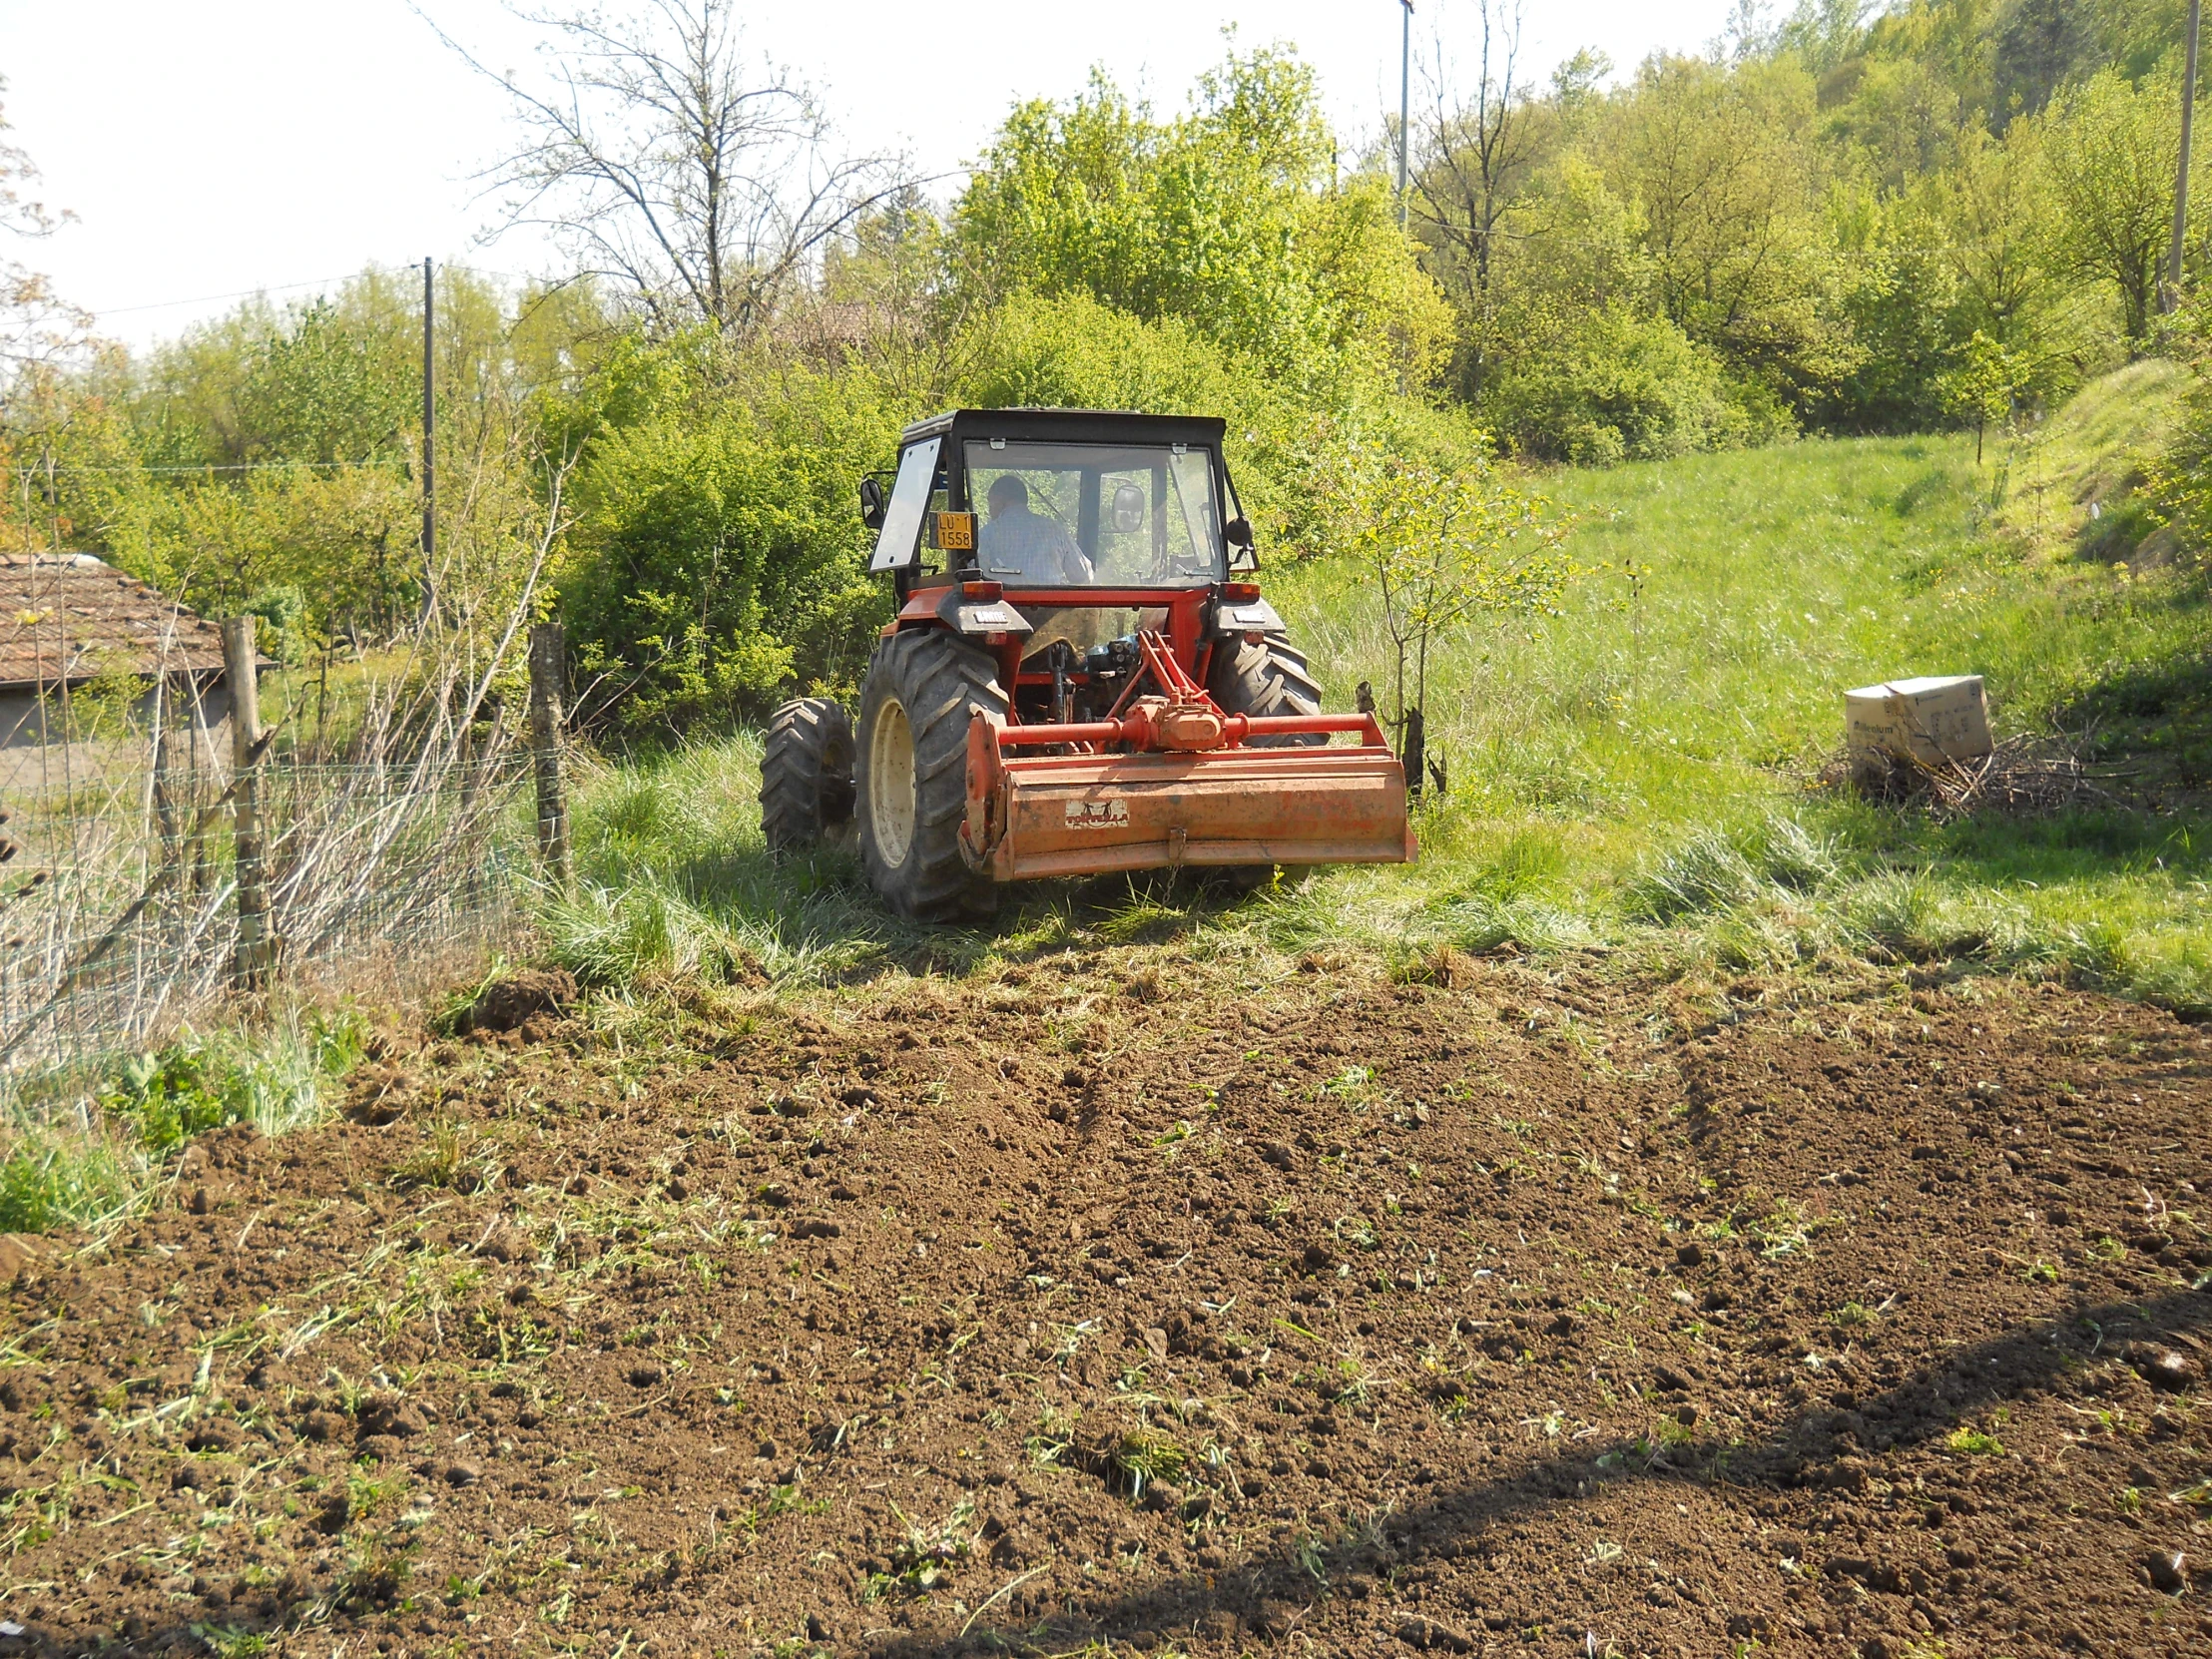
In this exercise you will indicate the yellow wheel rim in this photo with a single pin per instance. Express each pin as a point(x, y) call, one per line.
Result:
point(890, 775)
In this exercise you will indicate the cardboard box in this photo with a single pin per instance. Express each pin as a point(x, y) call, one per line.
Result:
point(1933, 719)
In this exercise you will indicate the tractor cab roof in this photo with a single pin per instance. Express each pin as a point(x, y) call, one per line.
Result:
point(1069, 427)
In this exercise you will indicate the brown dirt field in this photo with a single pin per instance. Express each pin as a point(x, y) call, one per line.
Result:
point(1092, 1308)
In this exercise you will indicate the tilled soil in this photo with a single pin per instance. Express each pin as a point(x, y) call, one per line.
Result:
point(1104, 1305)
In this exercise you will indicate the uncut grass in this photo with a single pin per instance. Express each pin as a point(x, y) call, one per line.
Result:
point(1645, 731)
point(1634, 727)
point(673, 878)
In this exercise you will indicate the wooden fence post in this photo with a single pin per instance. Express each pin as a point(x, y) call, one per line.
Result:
point(250, 967)
point(548, 673)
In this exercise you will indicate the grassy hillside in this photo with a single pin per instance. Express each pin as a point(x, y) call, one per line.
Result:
point(2072, 480)
point(1637, 774)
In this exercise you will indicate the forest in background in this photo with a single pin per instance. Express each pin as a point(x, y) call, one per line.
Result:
point(1860, 218)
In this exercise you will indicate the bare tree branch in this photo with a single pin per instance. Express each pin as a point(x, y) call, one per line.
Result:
point(1475, 147)
point(661, 165)
point(36, 324)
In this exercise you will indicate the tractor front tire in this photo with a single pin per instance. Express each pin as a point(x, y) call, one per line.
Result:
point(922, 686)
point(805, 774)
point(1267, 678)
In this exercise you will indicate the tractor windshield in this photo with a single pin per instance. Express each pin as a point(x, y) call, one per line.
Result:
point(1095, 515)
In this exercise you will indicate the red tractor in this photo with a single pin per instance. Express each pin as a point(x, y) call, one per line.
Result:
point(1082, 677)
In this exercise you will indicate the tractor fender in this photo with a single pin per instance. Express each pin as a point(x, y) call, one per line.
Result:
point(1246, 615)
point(974, 618)
point(945, 606)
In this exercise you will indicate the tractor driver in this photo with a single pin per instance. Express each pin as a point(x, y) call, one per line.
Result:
point(1018, 542)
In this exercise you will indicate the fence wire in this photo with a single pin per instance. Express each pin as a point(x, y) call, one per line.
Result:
point(118, 907)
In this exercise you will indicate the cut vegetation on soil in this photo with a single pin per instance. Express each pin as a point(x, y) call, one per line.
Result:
point(1058, 1307)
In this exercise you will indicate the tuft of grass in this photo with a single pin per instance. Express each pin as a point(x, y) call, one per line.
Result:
point(1052, 1444)
point(74, 1161)
point(1975, 1443)
point(451, 1158)
point(50, 1180)
point(1143, 1457)
point(926, 1557)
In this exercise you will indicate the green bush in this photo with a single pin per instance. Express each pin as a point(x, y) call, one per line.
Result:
point(1601, 386)
point(282, 611)
point(719, 563)
point(78, 1168)
point(196, 1084)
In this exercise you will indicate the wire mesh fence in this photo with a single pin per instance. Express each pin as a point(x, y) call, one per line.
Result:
point(118, 907)
point(163, 847)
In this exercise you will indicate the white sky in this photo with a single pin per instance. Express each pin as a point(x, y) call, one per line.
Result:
point(234, 145)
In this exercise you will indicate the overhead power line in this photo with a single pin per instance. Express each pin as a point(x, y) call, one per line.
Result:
point(286, 287)
point(38, 470)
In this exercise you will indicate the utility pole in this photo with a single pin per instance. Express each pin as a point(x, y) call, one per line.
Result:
point(2170, 300)
point(1405, 100)
point(429, 451)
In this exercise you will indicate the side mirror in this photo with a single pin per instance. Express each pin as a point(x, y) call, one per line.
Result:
point(1237, 533)
point(1127, 515)
point(871, 503)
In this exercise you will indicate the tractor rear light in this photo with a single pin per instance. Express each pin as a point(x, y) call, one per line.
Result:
point(995, 639)
point(1240, 593)
point(1254, 637)
point(989, 590)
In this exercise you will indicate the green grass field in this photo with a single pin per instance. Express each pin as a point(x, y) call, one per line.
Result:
point(1638, 773)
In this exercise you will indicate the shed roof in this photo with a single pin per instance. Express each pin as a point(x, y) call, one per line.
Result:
point(70, 616)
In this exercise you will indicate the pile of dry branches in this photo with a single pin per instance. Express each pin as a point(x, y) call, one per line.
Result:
point(2024, 776)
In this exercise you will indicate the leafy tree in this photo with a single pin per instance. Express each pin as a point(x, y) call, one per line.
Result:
point(36, 325)
point(1444, 547)
point(1985, 385)
point(2111, 150)
point(2040, 46)
point(1724, 167)
point(1224, 218)
point(1475, 153)
point(1988, 211)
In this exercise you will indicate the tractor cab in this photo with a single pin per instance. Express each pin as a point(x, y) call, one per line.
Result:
point(1092, 527)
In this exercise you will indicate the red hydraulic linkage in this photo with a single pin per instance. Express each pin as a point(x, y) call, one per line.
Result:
point(1185, 719)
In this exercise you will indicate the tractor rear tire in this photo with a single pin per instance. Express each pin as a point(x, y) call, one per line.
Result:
point(1269, 678)
point(805, 774)
point(922, 686)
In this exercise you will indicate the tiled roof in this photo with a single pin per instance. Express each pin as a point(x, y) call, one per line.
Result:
point(72, 616)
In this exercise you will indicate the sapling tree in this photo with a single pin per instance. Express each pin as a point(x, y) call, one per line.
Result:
point(1443, 548)
point(1986, 381)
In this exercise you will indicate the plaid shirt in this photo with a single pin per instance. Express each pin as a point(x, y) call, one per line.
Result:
point(1019, 542)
